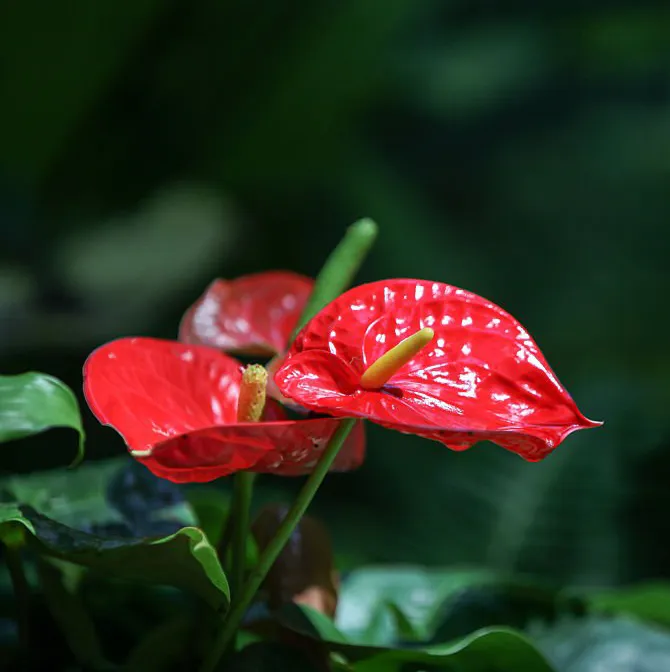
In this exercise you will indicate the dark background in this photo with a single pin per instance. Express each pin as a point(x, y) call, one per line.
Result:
point(517, 149)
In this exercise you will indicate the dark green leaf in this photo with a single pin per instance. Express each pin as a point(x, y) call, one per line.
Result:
point(402, 624)
point(184, 559)
point(597, 644)
point(314, 624)
point(151, 506)
point(76, 498)
point(211, 507)
point(117, 496)
point(363, 612)
point(394, 605)
point(507, 602)
point(33, 402)
point(488, 650)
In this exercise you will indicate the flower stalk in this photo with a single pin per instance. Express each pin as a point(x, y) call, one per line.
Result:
point(274, 548)
point(243, 487)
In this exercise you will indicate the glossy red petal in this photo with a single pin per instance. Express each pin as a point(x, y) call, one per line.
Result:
point(151, 390)
point(299, 457)
point(254, 314)
point(313, 435)
point(175, 405)
point(273, 391)
point(288, 462)
point(481, 378)
point(289, 448)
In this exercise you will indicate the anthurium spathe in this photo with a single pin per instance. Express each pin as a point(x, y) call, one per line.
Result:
point(177, 407)
point(253, 315)
point(431, 359)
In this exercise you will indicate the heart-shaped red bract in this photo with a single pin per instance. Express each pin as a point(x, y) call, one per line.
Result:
point(252, 315)
point(175, 405)
point(482, 377)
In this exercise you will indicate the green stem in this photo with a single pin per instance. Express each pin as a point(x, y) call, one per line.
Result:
point(21, 590)
point(339, 269)
point(243, 486)
point(275, 547)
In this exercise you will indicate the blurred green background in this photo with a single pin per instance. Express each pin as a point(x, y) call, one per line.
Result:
point(520, 150)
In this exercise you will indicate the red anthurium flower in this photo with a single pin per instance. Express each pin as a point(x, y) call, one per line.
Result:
point(448, 365)
point(252, 315)
point(176, 406)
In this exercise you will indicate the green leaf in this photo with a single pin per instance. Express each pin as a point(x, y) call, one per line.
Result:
point(314, 624)
point(488, 650)
point(184, 559)
point(34, 402)
point(402, 624)
point(69, 613)
point(384, 612)
point(511, 603)
point(596, 644)
point(211, 507)
point(648, 602)
point(393, 605)
point(116, 495)
point(76, 498)
point(364, 614)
